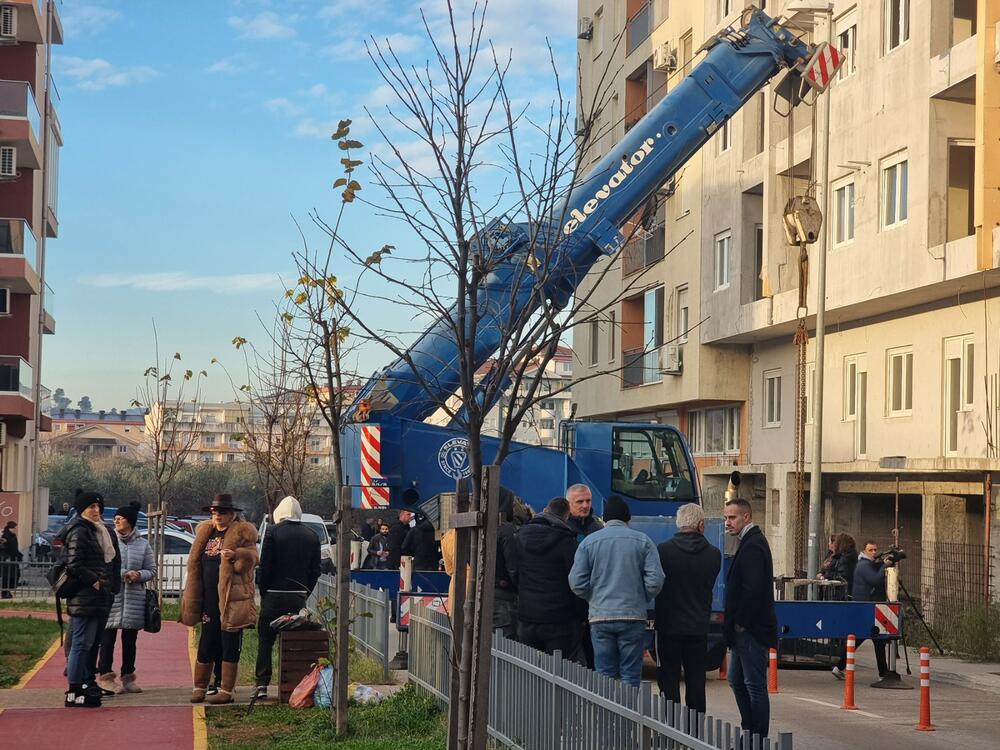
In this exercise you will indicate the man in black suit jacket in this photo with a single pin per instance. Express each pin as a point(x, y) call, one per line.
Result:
point(750, 627)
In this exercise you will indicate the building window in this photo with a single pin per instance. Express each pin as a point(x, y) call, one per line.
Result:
point(758, 261)
point(899, 382)
point(594, 333)
point(548, 405)
point(547, 424)
point(714, 431)
point(230, 457)
point(725, 8)
point(772, 398)
point(314, 444)
point(597, 33)
point(208, 439)
point(686, 52)
point(897, 23)
point(894, 190)
point(856, 400)
point(959, 386)
point(128, 429)
point(612, 335)
point(652, 303)
point(725, 137)
point(843, 212)
point(847, 43)
point(683, 315)
point(723, 249)
point(123, 449)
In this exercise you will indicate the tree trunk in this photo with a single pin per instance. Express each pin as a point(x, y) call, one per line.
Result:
point(343, 610)
point(457, 610)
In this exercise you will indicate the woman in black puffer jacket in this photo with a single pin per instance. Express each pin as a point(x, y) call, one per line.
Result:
point(845, 560)
point(89, 556)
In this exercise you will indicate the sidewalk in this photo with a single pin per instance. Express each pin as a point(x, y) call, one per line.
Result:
point(32, 715)
point(948, 670)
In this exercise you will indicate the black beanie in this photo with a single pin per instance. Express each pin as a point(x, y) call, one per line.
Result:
point(129, 512)
point(84, 500)
point(615, 509)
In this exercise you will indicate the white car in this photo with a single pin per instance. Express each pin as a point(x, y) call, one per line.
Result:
point(176, 548)
point(317, 524)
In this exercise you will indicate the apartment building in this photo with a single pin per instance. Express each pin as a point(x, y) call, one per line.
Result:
point(911, 367)
point(100, 434)
point(30, 140)
point(218, 431)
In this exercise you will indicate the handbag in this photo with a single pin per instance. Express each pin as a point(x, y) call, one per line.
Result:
point(154, 618)
point(64, 585)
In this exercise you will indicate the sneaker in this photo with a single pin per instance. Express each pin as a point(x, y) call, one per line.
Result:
point(80, 698)
point(838, 673)
point(92, 688)
point(260, 693)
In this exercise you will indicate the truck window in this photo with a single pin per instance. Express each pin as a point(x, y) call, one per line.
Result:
point(648, 463)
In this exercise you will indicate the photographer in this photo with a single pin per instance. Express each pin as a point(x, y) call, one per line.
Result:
point(869, 586)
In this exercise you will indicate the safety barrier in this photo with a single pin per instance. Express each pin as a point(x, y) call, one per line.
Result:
point(541, 701)
point(925, 691)
point(772, 670)
point(849, 676)
point(369, 618)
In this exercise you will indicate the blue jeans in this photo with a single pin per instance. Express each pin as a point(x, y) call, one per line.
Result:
point(748, 679)
point(618, 648)
point(79, 666)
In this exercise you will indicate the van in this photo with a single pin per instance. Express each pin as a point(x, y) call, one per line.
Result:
point(317, 524)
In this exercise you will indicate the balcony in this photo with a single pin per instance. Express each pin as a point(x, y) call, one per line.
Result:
point(638, 28)
point(18, 257)
point(641, 367)
point(21, 123)
point(48, 310)
point(645, 249)
point(15, 388)
point(953, 73)
point(45, 408)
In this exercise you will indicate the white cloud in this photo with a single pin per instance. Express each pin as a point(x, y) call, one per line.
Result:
point(353, 48)
point(318, 90)
point(97, 74)
point(341, 8)
point(265, 25)
point(282, 106)
point(81, 19)
point(183, 281)
point(313, 128)
point(381, 96)
point(349, 49)
point(232, 65)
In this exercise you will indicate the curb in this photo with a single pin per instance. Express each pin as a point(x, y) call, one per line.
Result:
point(941, 675)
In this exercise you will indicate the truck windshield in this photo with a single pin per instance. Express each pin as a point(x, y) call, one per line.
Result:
point(649, 463)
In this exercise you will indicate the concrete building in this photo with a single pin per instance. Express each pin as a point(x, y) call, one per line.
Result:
point(30, 140)
point(911, 372)
point(100, 434)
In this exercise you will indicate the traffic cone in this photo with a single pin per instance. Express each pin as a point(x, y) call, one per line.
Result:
point(723, 668)
point(925, 691)
point(849, 680)
point(772, 670)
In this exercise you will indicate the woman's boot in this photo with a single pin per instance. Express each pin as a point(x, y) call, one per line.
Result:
point(201, 674)
point(225, 694)
point(109, 681)
point(128, 684)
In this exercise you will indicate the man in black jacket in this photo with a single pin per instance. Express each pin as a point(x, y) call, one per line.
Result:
point(420, 544)
point(289, 569)
point(504, 590)
point(397, 534)
point(550, 615)
point(751, 627)
point(684, 606)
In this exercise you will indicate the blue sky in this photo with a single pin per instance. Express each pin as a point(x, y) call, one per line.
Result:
point(194, 133)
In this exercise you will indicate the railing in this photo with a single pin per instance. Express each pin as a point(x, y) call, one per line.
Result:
point(15, 376)
point(541, 701)
point(641, 367)
point(638, 29)
point(25, 579)
point(643, 250)
point(50, 300)
point(18, 100)
point(369, 616)
point(16, 238)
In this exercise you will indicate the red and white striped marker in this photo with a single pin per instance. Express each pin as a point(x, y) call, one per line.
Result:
point(772, 670)
point(373, 494)
point(849, 678)
point(925, 691)
point(823, 66)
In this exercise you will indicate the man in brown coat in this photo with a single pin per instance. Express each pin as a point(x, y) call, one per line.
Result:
point(219, 594)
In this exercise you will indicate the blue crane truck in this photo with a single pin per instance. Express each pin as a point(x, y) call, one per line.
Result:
point(393, 459)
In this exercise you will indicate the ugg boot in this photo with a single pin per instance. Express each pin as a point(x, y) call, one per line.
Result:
point(202, 672)
point(109, 681)
point(128, 684)
point(225, 694)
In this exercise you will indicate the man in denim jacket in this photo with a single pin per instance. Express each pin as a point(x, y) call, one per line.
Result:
point(617, 570)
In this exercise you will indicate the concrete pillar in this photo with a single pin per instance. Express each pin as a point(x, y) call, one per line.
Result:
point(943, 522)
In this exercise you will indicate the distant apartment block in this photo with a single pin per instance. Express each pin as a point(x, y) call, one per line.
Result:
point(100, 434)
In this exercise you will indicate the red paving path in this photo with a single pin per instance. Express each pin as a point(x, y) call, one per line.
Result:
point(162, 662)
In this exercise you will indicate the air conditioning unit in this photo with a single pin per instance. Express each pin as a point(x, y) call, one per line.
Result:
point(8, 22)
point(4, 301)
point(581, 125)
point(664, 59)
point(672, 359)
point(3, 434)
point(585, 28)
point(8, 161)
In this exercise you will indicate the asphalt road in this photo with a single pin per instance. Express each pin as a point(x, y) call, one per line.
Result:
point(808, 705)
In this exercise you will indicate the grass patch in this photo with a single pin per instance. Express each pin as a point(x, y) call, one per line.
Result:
point(30, 605)
point(22, 641)
point(971, 632)
point(404, 721)
point(360, 668)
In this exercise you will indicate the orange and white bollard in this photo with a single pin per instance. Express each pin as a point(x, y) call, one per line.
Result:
point(723, 668)
point(849, 678)
point(772, 670)
point(925, 691)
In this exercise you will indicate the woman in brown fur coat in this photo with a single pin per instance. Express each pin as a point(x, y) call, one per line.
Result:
point(219, 594)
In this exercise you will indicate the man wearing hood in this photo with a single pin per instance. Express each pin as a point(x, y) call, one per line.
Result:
point(289, 569)
point(550, 615)
point(683, 607)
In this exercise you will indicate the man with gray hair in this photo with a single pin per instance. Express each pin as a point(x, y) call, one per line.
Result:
point(581, 511)
point(683, 607)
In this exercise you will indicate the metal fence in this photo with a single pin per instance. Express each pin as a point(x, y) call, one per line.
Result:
point(24, 580)
point(954, 579)
point(542, 701)
point(369, 626)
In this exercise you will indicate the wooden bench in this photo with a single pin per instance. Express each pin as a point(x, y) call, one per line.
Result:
point(298, 650)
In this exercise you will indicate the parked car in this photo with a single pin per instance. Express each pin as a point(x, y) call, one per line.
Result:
point(109, 515)
point(317, 524)
point(44, 543)
point(187, 525)
point(176, 548)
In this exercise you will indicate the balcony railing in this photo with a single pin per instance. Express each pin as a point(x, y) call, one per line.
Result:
point(45, 399)
point(16, 238)
point(17, 100)
point(638, 28)
point(641, 367)
point(643, 250)
point(15, 376)
point(50, 301)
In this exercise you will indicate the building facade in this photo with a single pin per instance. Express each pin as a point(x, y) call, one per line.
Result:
point(99, 434)
point(913, 270)
point(30, 140)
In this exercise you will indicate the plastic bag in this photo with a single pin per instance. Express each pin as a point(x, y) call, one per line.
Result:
point(302, 695)
point(324, 689)
point(366, 694)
